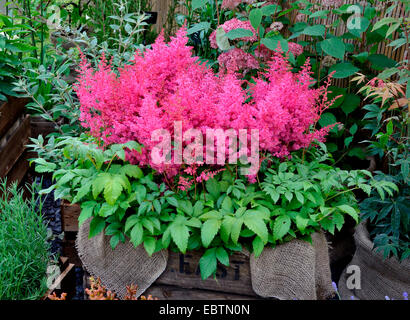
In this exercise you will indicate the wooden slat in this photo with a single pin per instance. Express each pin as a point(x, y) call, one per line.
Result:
point(10, 111)
point(183, 271)
point(19, 170)
point(41, 126)
point(14, 147)
point(164, 292)
point(69, 216)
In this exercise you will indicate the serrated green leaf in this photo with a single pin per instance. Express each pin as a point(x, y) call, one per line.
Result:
point(208, 263)
point(97, 225)
point(281, 227)
point(180, 235)
point(222, 256)
point(258, 246)
point(137, 234)
point(258, 226)
point(350, 211)
point(149, 245)
point(209, 230)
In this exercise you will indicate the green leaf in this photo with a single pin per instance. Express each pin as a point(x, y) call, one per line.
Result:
point(208, 263)
point(140, 193)
point(339, 220)
point(149, 245)
point(239, 33)
point(113, 189)
point(281, 227)
point(137, 234)
point(198, 27)
point(258, 246)
point(213, 188)
point(271, 9)
point(383, 22)
point(357, 152)
point(272, 43)
point(97, 225)
point(196, 4)
point(82, 191)
point(222, 41)
point(350, 211)
point(132, 171)
point(107, 210)
point(258, 226)
point(301, 223)
point(236, 229)
point(343, 70)
point(226, 228)
point(172, 201)
point(87, 209)
point(180, 235)
point(381, 61)
point(255, 17)
point(327, 119)
point(222, 256)
point(209, 230)
point(114, 241)
point(333, 47)
point(316, 30)
point(99, 184)
point(350, 103)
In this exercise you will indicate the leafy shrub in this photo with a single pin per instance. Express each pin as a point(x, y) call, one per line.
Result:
point(24, 251)
point(334, 36)
point(219, 211)
point(388, 120)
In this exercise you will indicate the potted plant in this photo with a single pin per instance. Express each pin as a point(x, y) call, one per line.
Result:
point(127, 175)
point(382, 240)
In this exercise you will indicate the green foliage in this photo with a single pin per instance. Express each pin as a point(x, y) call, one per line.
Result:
point(49, 86)
point(24, 250)
point(344, 47)
point(16, 52)
point(390, 217)
point(293, 199)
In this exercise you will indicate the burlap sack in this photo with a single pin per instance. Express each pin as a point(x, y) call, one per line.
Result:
point(293, 270)
point(379, 277)
point(121, 267)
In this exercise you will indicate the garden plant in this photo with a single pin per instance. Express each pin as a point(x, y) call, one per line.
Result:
point(243, 126)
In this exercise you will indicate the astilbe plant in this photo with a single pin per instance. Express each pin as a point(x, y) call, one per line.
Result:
point(166, 84)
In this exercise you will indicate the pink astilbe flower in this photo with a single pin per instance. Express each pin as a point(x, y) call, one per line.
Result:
point(237, 60)
point(165, 85)
point(285, 108)
point(184, 184)
point(231, 25)
point(207, 174)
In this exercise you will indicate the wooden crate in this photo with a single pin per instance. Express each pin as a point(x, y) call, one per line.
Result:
point(181, 279)
point(41, 126)
point(10, 111)
point(69, 216)
point(14, 135)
